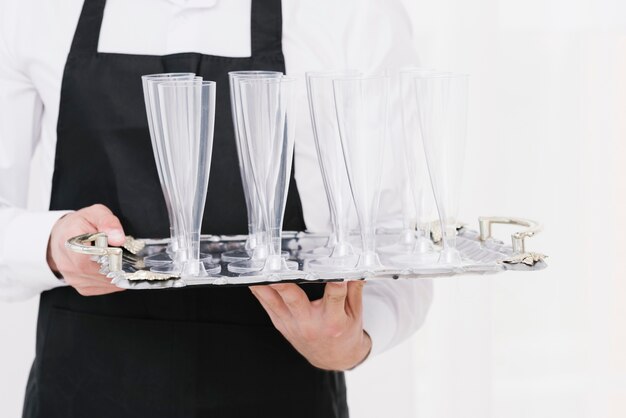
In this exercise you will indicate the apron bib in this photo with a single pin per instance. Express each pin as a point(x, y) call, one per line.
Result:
point(168, 353)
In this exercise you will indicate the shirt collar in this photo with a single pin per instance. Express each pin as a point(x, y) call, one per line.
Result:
point(197, 4)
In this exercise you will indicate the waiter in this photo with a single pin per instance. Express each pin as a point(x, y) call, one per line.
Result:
point(75, 157)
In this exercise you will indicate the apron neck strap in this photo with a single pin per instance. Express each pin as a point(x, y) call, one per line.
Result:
point(88, 30)
point(266, 27)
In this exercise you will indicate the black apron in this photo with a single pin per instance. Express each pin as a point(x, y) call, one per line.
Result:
point(169, 353)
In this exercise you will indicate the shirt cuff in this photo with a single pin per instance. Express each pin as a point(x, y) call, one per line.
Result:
point(380, 322)
point(26, 246)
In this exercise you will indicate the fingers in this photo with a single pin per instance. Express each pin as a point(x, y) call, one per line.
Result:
point(271, 300)
point(78, 270)
point(295, 298)
point(276, 320)
point(85, 272)
point(85, 266)
point(89, 287)
point(334, 300)
point(88, 281)
point(103, 220)
point(355, 297)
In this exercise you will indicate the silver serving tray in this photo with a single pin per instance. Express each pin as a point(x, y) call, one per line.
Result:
point(482, 254)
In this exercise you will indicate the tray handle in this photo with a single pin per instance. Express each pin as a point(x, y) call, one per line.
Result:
point(100, 248)
point(517, 238)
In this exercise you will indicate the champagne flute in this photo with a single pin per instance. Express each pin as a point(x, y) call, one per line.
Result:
point(338, 254)
point(268, 111)
point(442, 109)
point(187, 112)
point(253, 255)
point(361, 105)
point(151, 99)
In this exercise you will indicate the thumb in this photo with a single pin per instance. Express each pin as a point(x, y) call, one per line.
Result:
point(103, 220)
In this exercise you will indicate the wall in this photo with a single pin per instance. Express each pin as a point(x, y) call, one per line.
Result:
point(547, 141)
point(547, 134)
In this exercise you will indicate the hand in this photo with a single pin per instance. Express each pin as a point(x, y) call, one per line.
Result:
point(328, 332)
point(78, 270)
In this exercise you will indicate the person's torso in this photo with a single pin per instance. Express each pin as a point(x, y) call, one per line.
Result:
point(181, 352)
point(104, 156)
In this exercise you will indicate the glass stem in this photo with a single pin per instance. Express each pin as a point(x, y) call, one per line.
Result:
point(368, 237)
point(274, 240)
point(173, 245)
point(408, 235)
point(251, 240)
point(274, 260)
point(449, 236)
point(194, 251)
point(342, 247)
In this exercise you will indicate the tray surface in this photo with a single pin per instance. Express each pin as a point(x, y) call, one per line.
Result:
point(481, 254)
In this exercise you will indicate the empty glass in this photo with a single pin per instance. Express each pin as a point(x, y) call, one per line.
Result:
point(150, 92)
point(252, 205)
point(442, 109)
point(423, 251)
point(361, 105)
point(404, 242)
point(253, 256)
point(419, 179)
point(187, 114)
point(267, 106)
point(338, 251)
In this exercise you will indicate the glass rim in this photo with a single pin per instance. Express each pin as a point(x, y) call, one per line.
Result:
point(443, 74)
point(364, 78)
point(168, 80)
point(330, 74)
point(252, 73)
point(187, 83)
point(283, 79)
point(166, 75)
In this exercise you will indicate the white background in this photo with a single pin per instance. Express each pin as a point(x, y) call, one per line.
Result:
point(547, 141)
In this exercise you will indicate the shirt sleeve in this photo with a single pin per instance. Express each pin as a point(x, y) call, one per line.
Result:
point(24, 271)
point(394, 309)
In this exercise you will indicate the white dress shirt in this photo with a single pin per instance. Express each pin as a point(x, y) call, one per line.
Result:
point(318, 35)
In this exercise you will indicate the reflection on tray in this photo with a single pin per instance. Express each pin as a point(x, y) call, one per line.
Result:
point(480, 254)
